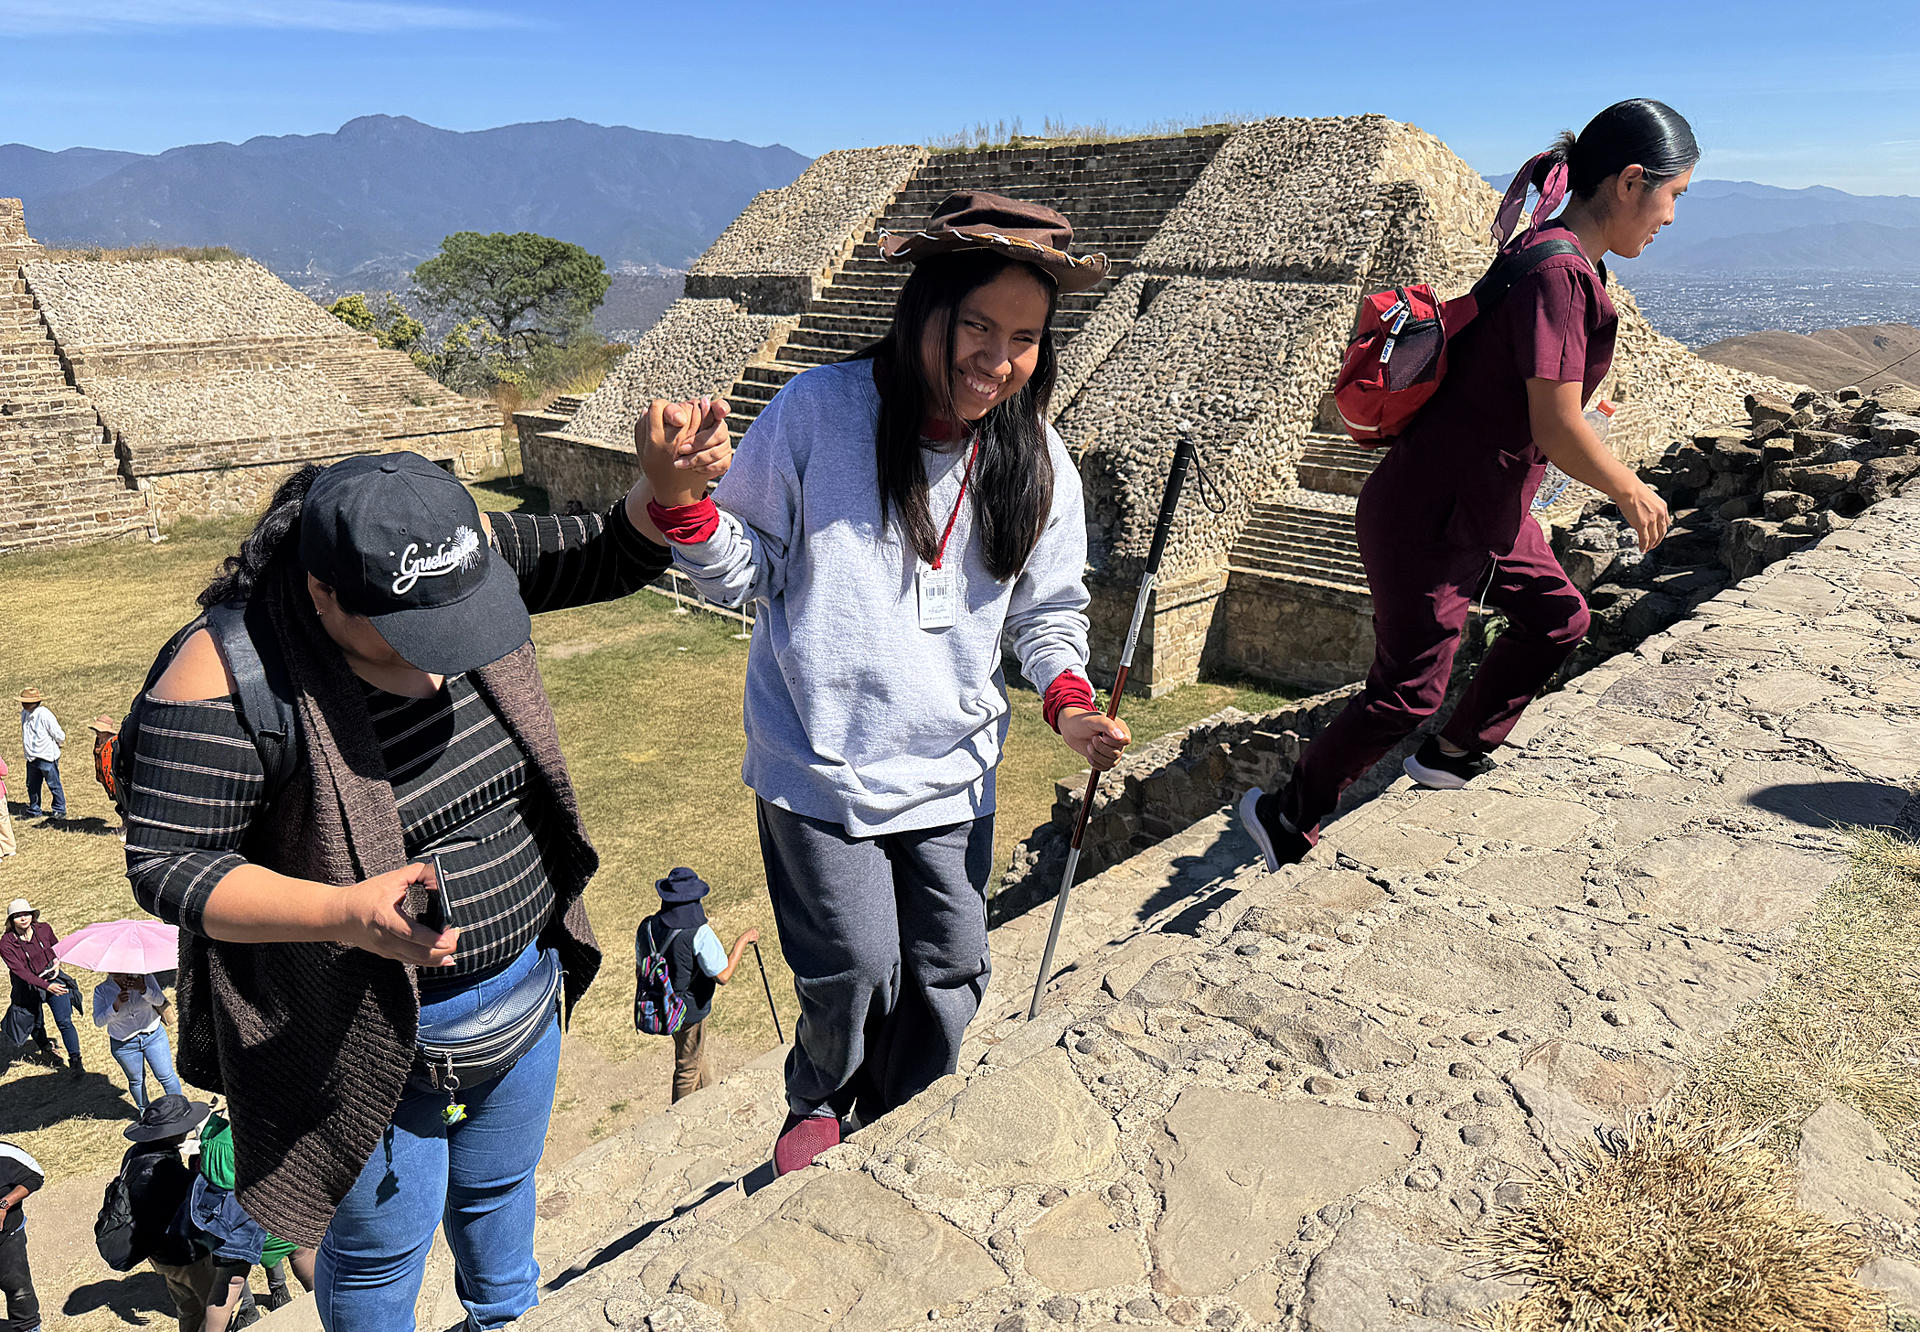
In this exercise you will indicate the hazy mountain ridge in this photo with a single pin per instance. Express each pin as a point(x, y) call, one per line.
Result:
point(1830, 358)
point(1740, 226)
point(380, 193)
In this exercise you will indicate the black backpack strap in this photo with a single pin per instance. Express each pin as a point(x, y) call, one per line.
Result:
point(1512, 265)
point(263, 691)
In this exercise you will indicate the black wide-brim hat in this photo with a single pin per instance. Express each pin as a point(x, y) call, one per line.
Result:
point(400, 541)
point(1029, 232)
point(681, 886)
point(169, 1116)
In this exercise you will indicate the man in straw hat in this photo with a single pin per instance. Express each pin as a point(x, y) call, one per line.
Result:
point(26, 946)
point(41, 738)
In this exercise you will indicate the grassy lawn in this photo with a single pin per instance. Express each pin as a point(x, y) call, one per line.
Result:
point(648, 701)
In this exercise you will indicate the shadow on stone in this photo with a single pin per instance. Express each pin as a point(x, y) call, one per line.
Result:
point(1832, 804)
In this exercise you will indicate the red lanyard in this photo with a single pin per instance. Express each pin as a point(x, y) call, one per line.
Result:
point(957, 501)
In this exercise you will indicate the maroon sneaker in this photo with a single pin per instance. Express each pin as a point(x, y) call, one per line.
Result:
point(801, 1140)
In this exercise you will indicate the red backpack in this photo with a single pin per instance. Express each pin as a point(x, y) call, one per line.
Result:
point(1397, 354)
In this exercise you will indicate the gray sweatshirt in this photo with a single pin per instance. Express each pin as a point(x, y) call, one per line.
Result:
point(855, 714)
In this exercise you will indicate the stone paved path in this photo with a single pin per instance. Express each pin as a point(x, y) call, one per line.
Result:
point(1262, 1100)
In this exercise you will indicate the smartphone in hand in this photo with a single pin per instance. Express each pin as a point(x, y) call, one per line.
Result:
point(434, 914)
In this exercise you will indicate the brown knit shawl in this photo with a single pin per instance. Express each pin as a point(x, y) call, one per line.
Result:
point(312, 1043)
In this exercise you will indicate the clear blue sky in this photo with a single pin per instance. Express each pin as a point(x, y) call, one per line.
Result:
point(1790, 94)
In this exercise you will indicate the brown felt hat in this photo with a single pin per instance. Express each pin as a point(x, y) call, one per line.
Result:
point(104, 724)
point(29, 696)
point(975, 220)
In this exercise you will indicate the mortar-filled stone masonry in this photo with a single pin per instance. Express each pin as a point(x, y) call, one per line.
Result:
point(1280, 1101)
point(134, 391)
point(1238, 254)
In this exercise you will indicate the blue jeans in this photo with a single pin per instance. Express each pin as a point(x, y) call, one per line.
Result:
point(137, 1054)
point(48, 771)
point(475, 1177)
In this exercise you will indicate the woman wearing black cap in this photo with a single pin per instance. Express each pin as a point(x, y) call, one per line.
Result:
point(376, 933)
point(896, 518)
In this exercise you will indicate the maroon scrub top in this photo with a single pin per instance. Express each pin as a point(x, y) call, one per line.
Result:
point(1464, 474)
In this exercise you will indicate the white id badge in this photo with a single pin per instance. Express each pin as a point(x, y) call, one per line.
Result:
point(938, 594)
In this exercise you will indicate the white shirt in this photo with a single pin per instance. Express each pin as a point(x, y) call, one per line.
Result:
point(40, 734)
point(138, 1016)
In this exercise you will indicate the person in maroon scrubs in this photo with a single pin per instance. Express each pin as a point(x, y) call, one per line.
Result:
point(1445, 516)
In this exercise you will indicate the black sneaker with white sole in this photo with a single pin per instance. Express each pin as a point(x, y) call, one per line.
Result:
point(1433, 767)
point(1280, 844)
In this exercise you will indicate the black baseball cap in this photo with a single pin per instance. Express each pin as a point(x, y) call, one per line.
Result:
point(400, 541)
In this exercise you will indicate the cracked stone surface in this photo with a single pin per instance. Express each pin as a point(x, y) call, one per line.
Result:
point(1270, 1101)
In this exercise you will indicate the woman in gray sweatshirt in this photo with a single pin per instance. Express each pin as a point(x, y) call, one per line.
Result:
point(893, 517)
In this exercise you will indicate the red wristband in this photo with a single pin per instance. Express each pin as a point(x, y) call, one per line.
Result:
point(1068, 690)
point(685, 523)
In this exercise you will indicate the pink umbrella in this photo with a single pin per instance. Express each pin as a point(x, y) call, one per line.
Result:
point(133, 946)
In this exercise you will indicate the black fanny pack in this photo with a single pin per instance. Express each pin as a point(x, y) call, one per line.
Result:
point(487, 1042)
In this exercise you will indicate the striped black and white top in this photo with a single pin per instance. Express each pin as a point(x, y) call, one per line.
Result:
point(465, 790)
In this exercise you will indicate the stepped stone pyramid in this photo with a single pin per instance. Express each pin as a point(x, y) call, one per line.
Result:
point(135, 392)
point(1239, 254)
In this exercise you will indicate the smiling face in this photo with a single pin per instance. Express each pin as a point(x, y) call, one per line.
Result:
point(996, 342)
point(1638, 211)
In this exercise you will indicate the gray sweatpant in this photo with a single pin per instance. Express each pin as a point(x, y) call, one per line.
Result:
point(887, 938)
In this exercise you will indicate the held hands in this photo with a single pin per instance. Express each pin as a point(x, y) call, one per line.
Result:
point(56, 988)
point(372, 917)
point(1094, 736)
point(1646, 513)
point(683, 446)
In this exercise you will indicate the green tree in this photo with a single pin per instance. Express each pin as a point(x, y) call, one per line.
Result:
point(530, 291)
point(392, 327)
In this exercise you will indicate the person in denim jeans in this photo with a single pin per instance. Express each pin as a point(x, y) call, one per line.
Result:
point(474, 1176)
point(41, 738)
point(131, 1008)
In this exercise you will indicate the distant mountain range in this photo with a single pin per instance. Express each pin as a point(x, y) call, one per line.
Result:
point(1737, 227)
point(377, 196)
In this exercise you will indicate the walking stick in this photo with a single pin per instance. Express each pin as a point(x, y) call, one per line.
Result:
point(767, 985)
point(1169, 501)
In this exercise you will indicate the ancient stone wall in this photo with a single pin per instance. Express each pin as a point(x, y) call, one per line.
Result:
point(775, 256)
point(215, 379)
point(696, 350)
point(1284, 1102)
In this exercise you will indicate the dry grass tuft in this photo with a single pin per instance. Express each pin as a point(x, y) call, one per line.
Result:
point(193, 254)
point(1010, 134)
point(1680, 1225)
point(1843, 1019)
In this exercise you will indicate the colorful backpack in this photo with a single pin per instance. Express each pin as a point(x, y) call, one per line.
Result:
point(658, 1008)
point(1397, 354)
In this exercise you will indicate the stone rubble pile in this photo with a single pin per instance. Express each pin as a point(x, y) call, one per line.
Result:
point(1742, 496)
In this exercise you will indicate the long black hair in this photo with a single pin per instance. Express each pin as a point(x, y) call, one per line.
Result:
point(1637, 132)
point(1013, 478)
point(274, 542)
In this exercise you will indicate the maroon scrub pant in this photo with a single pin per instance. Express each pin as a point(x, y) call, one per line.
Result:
point(1421, 597)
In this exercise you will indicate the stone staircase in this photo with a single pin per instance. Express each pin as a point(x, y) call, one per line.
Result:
point(1289, 540)
point(59, 480)
point(1116, 195)
point(1335, 465)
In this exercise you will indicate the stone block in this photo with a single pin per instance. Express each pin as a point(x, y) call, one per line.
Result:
point(844, 1254)
point(1237, 1173)
point(1077, 1246)
point(1031, 1123)
point(1850, 1174)
point(1712, 879)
